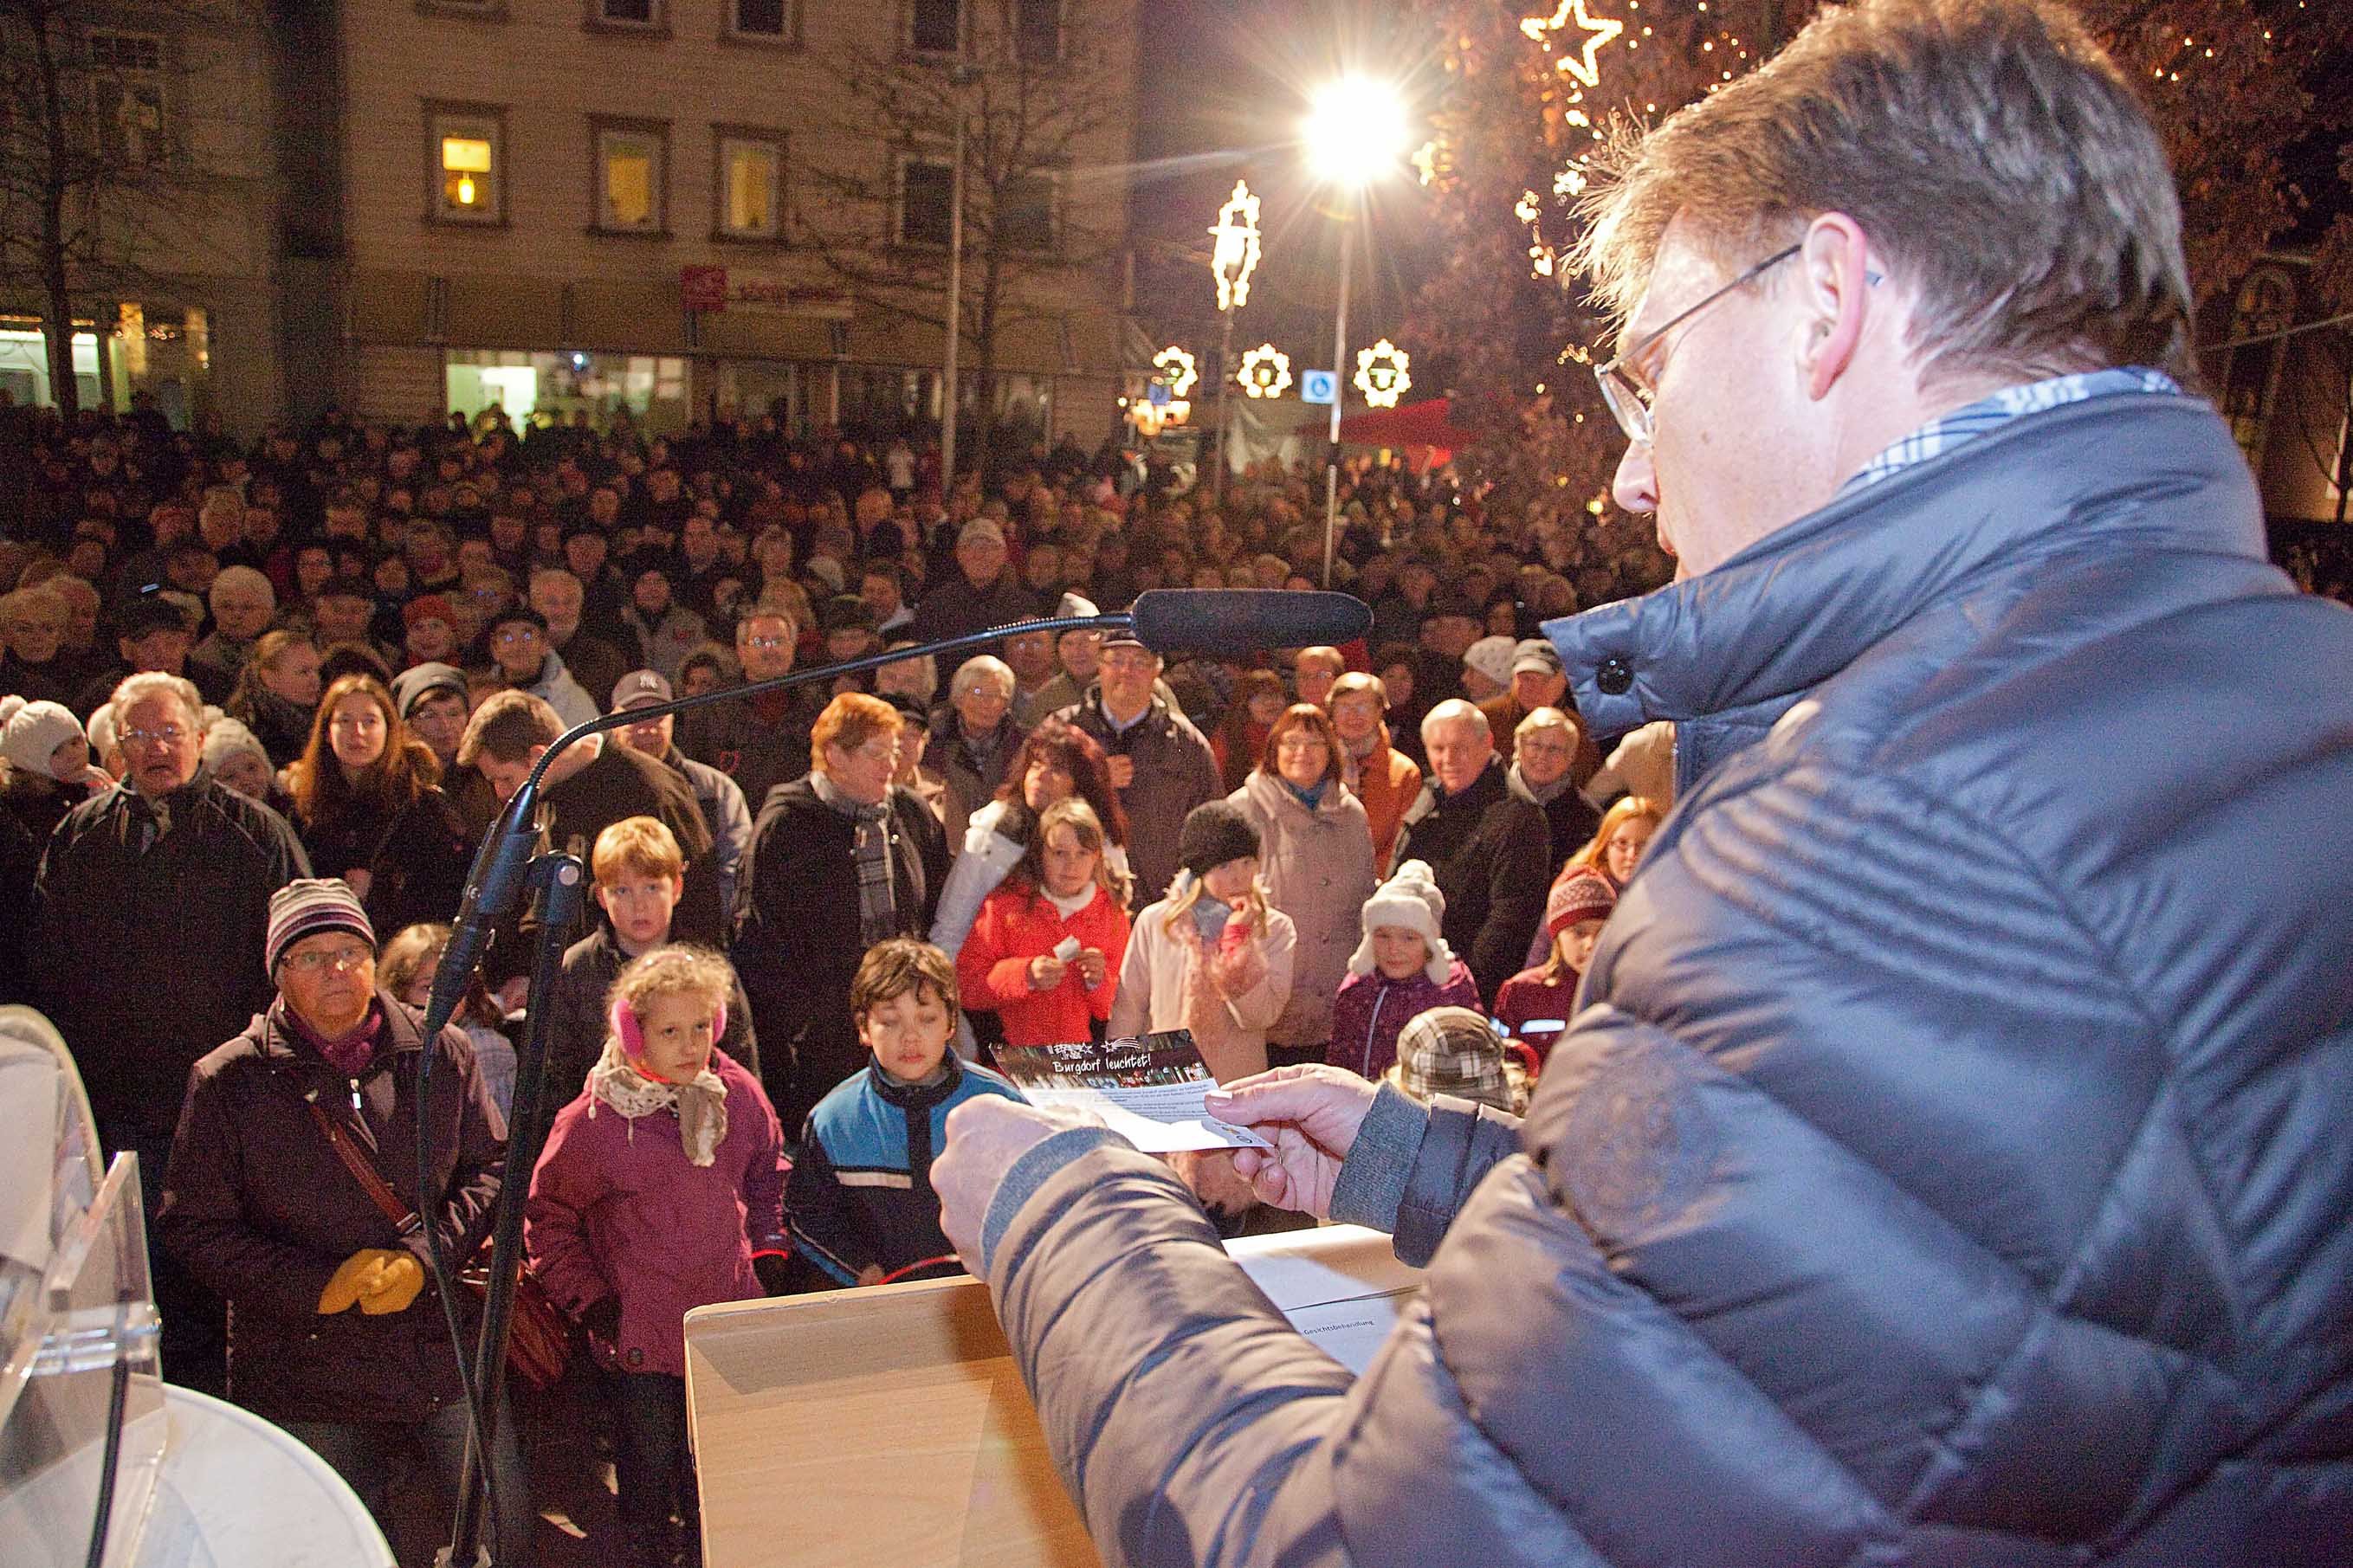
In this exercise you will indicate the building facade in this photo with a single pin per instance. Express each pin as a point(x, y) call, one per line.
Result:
point(172, 205)
point(686, 207)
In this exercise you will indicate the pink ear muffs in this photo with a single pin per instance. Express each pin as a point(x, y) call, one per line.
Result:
point(633, 1038)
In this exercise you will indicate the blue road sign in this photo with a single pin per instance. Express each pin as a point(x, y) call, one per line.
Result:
point(1317, 385)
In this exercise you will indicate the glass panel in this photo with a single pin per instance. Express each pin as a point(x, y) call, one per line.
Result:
point(1025, 213)
point(766, 17)
point(468, 154)
point(935, 26)
point(925, 190)
point(1037, 31)
point(629, 168)
point(751, 188)
point(636, 13)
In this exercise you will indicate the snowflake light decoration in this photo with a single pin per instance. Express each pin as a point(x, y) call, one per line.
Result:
point(1265, 373)
point(1381, 373)
point(1178, 368)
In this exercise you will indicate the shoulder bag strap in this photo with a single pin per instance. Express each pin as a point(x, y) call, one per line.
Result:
point(364, 1171)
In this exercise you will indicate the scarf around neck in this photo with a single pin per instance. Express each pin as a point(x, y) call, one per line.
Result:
point(700, 1105)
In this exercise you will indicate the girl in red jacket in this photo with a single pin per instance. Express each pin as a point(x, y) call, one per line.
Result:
point(1045, 953)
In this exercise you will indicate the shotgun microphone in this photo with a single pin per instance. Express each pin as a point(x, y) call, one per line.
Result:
point(1244, 620)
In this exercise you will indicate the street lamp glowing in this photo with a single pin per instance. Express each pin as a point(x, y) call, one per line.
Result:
point(1356, 131)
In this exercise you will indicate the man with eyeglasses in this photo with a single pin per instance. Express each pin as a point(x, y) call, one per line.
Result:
point(763, 740)
point(147, 924)
point(518, 643)
point(1161, 765)
point(1946, 1162)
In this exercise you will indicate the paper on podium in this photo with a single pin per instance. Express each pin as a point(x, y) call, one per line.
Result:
point(888, 1427)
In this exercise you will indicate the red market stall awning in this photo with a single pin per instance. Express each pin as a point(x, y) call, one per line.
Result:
point(1423, 423)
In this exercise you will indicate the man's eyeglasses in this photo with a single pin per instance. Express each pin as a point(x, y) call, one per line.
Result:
point(1629, 399)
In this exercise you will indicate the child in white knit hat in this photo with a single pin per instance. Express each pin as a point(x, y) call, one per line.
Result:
point(49, 771)
point(1402, 969)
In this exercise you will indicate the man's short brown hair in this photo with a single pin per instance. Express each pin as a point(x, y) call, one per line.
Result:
point(1989, 147)
point(901, 966)
point(507, 725)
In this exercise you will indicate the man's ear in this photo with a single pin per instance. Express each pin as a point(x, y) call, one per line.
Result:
point(1833, 283)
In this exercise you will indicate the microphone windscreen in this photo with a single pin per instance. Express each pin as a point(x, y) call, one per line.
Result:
point(1244, 620)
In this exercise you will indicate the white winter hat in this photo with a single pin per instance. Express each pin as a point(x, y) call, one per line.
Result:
point(1492, 656)
point(29, 732)
point(224, 737)
point(1410, 899)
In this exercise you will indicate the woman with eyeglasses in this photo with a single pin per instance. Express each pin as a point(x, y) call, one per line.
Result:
point(291, 1192)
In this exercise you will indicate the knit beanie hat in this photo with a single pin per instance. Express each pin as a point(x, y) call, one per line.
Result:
point(1411, 899)
point(225, 738)
point(307, 906)
point(29, 732)
point(418, 682)
point(1214, 833)
point(1492, 656)
point(1582, 895)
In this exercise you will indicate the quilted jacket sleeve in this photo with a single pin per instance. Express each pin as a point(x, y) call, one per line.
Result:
point(1766, 1286)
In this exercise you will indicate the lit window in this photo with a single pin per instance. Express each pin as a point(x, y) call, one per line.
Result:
point(935, 27)
point(630, 177)
point(925, 189)
point(465, 166)
point(751, 188)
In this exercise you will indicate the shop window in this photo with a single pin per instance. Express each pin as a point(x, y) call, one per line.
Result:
point(935, 27)
point(465, 159)
point(926, 191)
point(750, 185)
point(632, 169)
point(1025, 213)
point(1037, 31)
point(126, 88)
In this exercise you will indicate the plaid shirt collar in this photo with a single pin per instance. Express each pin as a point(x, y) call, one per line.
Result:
point(1942, 434)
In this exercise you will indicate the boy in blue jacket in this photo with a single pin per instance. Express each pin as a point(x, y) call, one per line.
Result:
point(859, 1200)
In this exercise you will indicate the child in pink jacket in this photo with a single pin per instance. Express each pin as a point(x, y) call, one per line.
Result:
point(1402, 970)
point(659, 1191)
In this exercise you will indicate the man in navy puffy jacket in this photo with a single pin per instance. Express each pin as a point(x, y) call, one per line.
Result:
point(1948, 1161)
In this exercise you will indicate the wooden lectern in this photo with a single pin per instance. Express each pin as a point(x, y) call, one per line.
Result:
point(888, 1429)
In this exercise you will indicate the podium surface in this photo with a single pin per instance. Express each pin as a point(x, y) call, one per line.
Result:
point(888, 1427)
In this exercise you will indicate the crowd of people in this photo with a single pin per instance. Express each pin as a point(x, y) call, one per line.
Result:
point(261, 705)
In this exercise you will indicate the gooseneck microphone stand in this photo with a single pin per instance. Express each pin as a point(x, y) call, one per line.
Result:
point(507, 865)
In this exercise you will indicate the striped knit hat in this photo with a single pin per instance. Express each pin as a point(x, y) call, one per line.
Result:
point(307, 906)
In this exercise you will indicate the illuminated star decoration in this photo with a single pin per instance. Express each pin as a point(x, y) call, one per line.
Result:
point(1598, 30)
point(1178, 368)
point(1236, 256)
point(1381, 373)
point(1265, 373)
